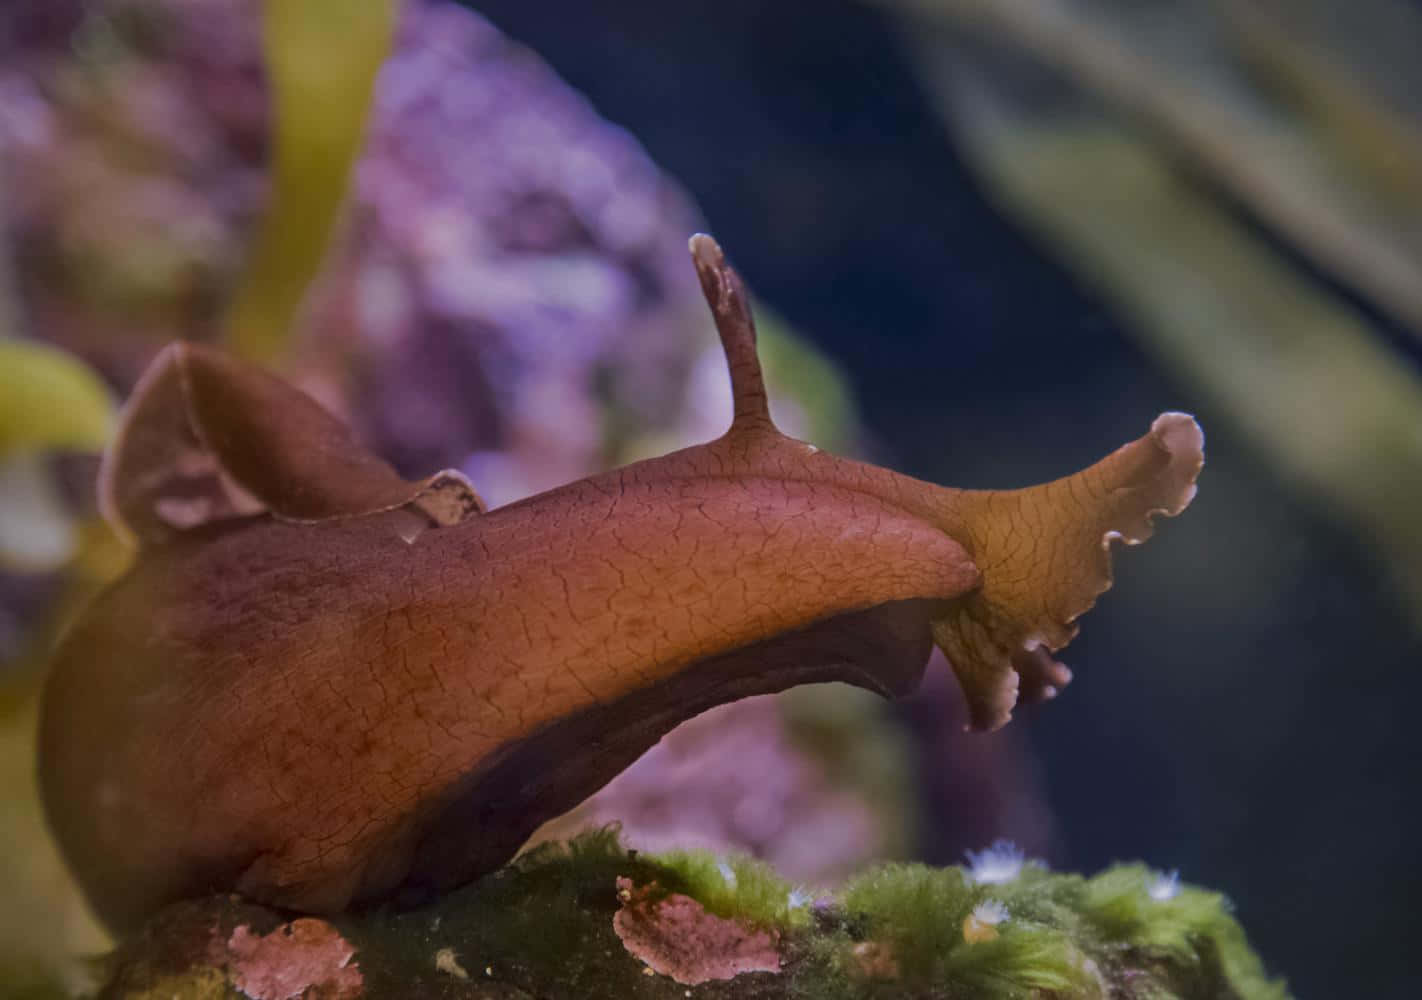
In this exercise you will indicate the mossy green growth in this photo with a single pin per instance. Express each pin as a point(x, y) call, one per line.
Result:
point(544, 927)
point(1061, 934)
point(920, 914)
point(737, 887)
point(1178, 923)
point(543, 923)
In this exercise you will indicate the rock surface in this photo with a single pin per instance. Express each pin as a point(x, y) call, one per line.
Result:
point(559, 924)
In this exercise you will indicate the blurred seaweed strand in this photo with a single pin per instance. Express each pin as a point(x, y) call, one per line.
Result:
point(322, 57)
point(49, 402)
point(1350, 71)
point(1324, 399)
point(1131, 58)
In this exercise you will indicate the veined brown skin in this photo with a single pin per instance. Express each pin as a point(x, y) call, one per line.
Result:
point(320, 685)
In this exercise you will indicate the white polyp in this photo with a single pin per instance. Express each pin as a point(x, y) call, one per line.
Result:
point(991, 912)
point(1002, 862)
point(1164, 886)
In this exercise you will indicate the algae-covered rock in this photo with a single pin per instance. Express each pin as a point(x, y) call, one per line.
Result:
point(555, 924)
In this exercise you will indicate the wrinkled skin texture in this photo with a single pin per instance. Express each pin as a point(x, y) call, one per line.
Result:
point(317, 687)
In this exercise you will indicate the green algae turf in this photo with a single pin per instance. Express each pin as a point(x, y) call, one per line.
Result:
point(543, 927)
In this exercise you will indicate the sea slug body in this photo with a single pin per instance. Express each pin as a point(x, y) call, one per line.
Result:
point(322, 684)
